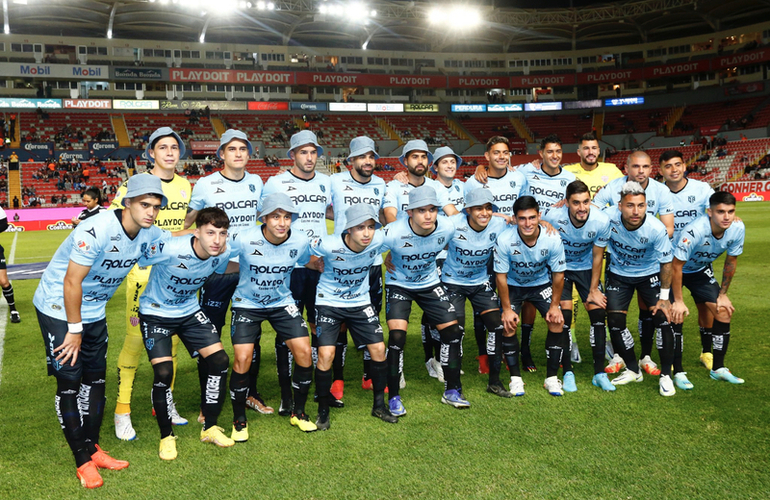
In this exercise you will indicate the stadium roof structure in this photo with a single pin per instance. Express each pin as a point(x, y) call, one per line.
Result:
point(505, 25)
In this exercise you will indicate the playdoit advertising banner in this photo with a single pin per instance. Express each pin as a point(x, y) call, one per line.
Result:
point(748, 190)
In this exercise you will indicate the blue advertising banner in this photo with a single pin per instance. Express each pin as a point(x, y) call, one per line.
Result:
point(309, 106)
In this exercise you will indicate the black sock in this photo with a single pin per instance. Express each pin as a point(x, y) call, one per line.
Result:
point(598, 338)
point(396, 341)
point(283, 360)
point(239, 383)
point(451, 339)
point(678, 348)
point(566, 354)
point(367, 365)
point(511, 353)
point(665, 342)
point(338, 365)
point(493, 324)
point(68, 412)
point(622, 340)
point(427, 340)
point(646, 332)
point(8, 294)
point(303, 377)
point(720, 336)
point(705, 339)
point(161, 395)
point(553, 349)
point(480, 332)
point(323, 386)
point(203, 371)
point(379, 381)
point(92, 406)
point(526, 341)
point(256, 356)
point(216, 386)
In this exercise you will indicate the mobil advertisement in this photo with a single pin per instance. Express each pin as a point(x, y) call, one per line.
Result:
point(748, 190)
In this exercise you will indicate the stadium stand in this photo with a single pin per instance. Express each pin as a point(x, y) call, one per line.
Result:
point(142, 124)
point(78, 128)
point(431, 128)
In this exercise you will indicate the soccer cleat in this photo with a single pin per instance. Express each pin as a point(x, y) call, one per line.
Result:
point(123, 428)
point(453, 397)
point(601, 380)
point(176, 418)
point(724, 374)
point(574, 354)
point(333, 402)
point(104, 461)
point(707, 359)
point(396, 406)
point(286, 407)
point(615, 365)
point(322, 421)
point(553, 386)
point(303, 423)
point(15, 317)
point(627, 377)
point(338, 389)
point(216, 435)
point(89, 475)
point(516, 386)
point(666, 386)
point(569, 382)
point(527, 363)
point(402, 381)
point(649, 366)
point(681, 381)
point(167, 448)
point(609, 352)
point(483, 363)
point(384, 414)
point(257, 403)
point(498, 390)
point(240, 431)
point(431, 368)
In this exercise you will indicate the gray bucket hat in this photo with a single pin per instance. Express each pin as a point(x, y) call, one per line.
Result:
point(359, 213)
point(231, 135)
point(422, 197)
point(415, 145)
point(276, 201)
point(302, 138)
point(478, 198)
point(160, 133)
point(142, 184)
point(362, 145)
point(446, 151)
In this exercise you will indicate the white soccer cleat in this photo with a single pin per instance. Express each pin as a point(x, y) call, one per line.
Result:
point(666, 386)
point(553, 386)
point(627, 377)
point(176, 418)
point(516, 387)
point(123, 428)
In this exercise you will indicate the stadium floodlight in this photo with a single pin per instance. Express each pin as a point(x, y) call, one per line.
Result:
point(373, 13)
point(462, 17)
point(261, 5)
point(270, 6)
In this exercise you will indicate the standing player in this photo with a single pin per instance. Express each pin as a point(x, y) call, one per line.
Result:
point(169, 307)
point(71, 309)
point(268, 255)
point(701, 242)
point(349, 188)
point(344, 297)
point(640, 260)
point(237, 192)
point(691, 199)
point(414, 243)
point(310, 192)
point(584, 233)
point(4, 281)
point(164, 149)
point(529, 266)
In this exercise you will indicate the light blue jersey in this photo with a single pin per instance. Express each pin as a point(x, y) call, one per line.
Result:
point(698, 248)
point(345, 280)
point(505, 190)
point(239, 199)
point(659, 200)
point(415, 256)
point(690, 202)
point(101, 243)
point(525, 265)
point(456, 194)
point(265, 269)
point(579, 241)
point(177, 275)
point(639, 252)
point(311, 198)
point(346, 192)
point(546, 189)
point(397, 195)
point(469, 251)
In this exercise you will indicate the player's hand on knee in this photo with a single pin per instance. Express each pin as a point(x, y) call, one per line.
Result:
point(678, 312)
point(596, 297)
point(510, 321)
point(664, 307)
point(554, 316)
point(724, 304)
point(69, 349)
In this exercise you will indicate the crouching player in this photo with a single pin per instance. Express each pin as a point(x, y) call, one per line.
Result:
point(71, 302)
point(529, 264)
point(169, 306)
point(701, 243)
point(343, 297)
point(267, 255)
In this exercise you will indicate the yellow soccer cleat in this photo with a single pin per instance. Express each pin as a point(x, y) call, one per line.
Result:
point(168, 448)
point(216, 435)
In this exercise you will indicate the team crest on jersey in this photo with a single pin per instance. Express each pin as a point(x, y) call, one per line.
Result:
point(149, 343)
point(252, 188)
point(492, 236)
point(650, 203)
point(691, 199)
point(134, 321)
point(591, 235)
point(219, 190)
point(544, 252)
point(92, 232)
point(292, 253)
point(563, 183)
point(323, 188)
point(441, 240)
point(513, 184)
point(372, 253)
point(377, 191)
point(215, 262)
point(644, 240)
point(83, 246)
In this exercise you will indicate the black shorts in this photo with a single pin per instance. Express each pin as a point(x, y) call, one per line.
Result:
point(702, 284)
point(196, 331)
point(434, 301)
point(539, 296)
point(581, 280)
point(620, 289)
point(93, 347)
point(375, 288)
point(303, 285)
point(246, 325)
point(482, 297)
point(215, 297)
point(2, 258)
point(363, 323)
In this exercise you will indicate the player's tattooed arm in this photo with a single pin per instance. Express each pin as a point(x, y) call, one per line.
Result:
point(678, 308)
point(727, 273)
